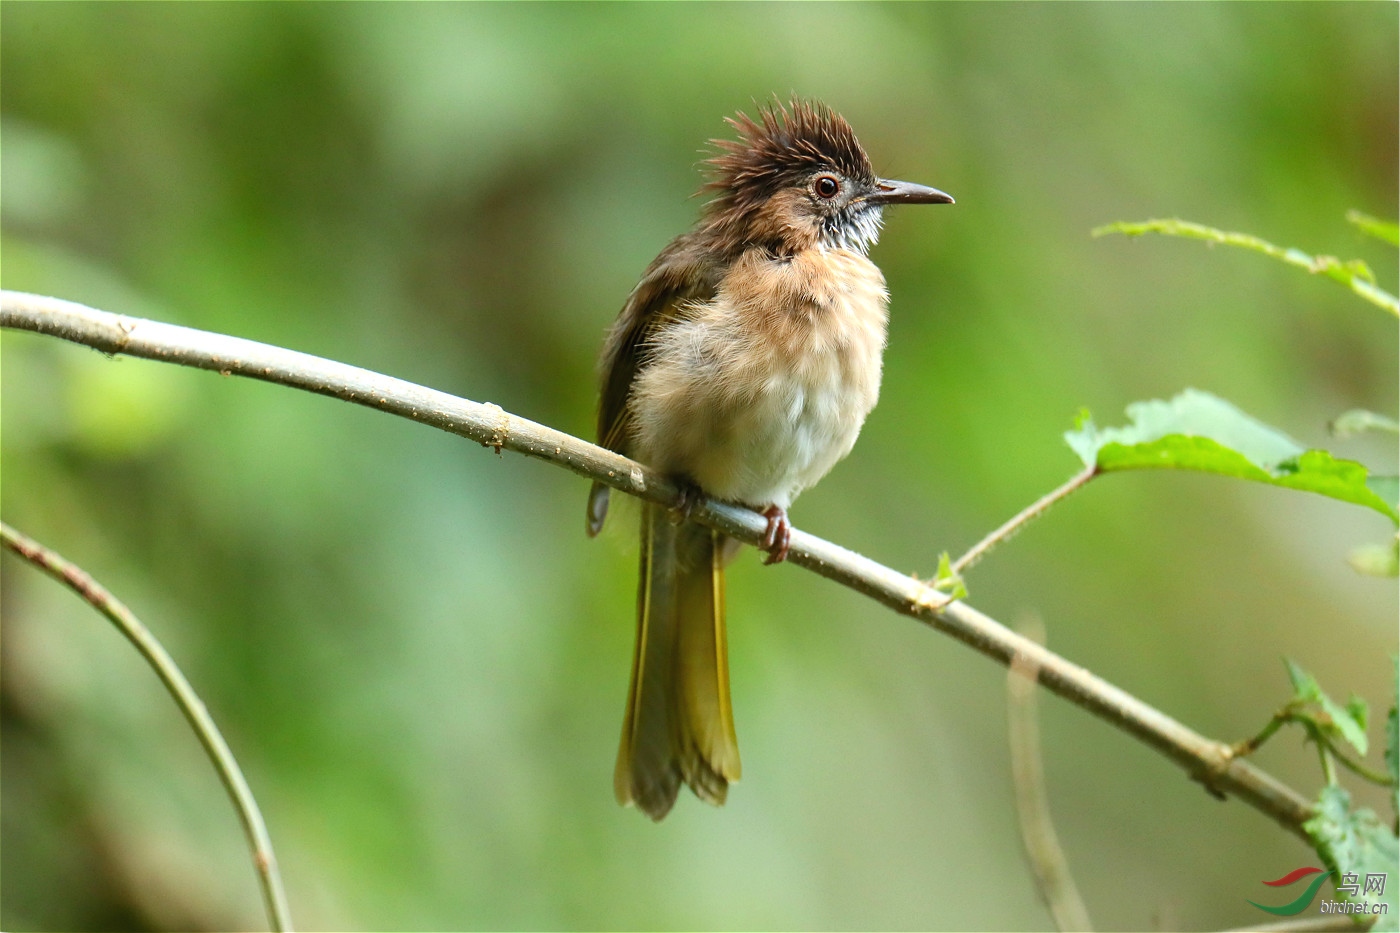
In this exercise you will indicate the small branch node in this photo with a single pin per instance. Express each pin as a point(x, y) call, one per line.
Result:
point(929, 600)
point(500, 427)
point(127, 327)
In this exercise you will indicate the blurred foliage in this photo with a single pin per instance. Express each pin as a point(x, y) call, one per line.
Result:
point(417, 655)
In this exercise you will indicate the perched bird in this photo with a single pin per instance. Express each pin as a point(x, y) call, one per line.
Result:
point(743, 365)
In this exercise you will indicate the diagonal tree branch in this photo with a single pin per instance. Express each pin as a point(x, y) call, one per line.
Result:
point(1205, 760)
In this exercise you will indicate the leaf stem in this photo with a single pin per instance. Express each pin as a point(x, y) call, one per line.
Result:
point(1023, 518)
point(1355, 274)
point(1329, 772)
point(1290, 713)
point(1357, 768)
point(259, 842)
point(1250, 746)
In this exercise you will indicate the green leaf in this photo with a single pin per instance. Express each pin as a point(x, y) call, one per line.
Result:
point(1359, 421)
point(1351, 727)
point(1355, 274)
point(1305, 688)
point(1329, 717)
point(1198, 431)
point(947, 580)
point(1359, 711)
point(1356, 843)
point(1371, 226)
point(1386, 487)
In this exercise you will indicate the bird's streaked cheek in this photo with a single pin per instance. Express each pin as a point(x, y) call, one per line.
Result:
point(856, 228)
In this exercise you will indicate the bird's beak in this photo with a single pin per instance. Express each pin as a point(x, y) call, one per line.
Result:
point(906, 192)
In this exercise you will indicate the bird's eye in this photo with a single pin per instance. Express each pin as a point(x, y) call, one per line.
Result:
point(826, 187)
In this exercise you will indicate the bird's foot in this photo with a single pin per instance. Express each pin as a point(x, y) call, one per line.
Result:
point(691, 496)
point(777, 536)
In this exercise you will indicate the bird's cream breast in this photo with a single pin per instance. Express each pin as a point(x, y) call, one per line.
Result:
point(757, 393)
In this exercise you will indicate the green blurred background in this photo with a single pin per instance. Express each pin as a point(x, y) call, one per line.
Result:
point(418, 656)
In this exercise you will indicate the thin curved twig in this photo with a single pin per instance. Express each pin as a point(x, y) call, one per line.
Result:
point(1049, 864)
point(1023, 518)
point(259, 842)
point(1205, 760)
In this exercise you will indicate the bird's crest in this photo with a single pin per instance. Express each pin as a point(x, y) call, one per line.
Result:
point(785, 143)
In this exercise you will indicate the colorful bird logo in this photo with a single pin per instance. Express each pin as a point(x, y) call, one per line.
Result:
point(1304, 899)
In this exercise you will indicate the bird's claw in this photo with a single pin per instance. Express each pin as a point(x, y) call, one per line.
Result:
point(777, 536)
point(691, 496)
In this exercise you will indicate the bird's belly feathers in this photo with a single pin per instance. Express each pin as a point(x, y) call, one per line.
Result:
point(756, 394)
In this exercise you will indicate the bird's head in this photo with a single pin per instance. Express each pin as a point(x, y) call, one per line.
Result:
point(797, 178)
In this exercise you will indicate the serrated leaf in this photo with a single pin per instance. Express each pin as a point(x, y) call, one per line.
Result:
point(1343, 723)
point(1356, 843)
point(1305, 688)
point(1200, 414)
point(1201, 432)
point(1382, 230)
point(1334, 720)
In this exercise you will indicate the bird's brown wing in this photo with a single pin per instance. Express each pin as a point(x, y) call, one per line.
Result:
point(677, 276)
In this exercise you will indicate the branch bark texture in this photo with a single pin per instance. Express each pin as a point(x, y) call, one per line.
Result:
point(1205, 760)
